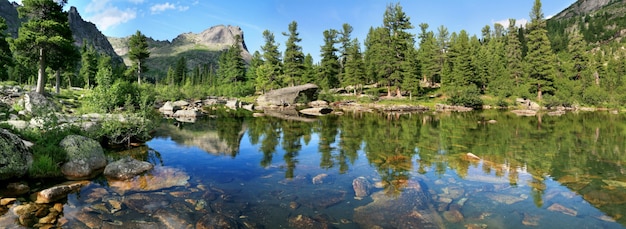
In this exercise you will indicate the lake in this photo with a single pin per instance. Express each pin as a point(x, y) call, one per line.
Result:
point(368, 170)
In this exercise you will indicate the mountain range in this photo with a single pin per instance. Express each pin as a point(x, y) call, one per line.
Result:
point(608, 17)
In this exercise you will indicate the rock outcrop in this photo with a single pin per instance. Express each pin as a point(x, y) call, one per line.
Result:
point(126, 168)
point(287, 96)
point(58, 192)
point(581, 7)
point(15, 158)
point(36, 102)
point(8, 11)
point(85, 157)
point(84, 31)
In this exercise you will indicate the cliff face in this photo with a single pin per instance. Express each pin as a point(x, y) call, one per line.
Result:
point(81, 29)
point(8, 10)
point(582, 7)
point(84, 31)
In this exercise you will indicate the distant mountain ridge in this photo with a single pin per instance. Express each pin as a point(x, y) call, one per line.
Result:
point(198, 49)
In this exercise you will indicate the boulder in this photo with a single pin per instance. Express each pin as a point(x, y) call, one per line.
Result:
point(126, 168)
point(316, 111)
point(233, 104)
point(157, 179)
point(287, 96)
point(249, 107)
point(318, 103)
point(58, 192)
point(187, 113)
point(34, 102)
point(15, 158)
point(85, 157)
point(180, 104)
point(167, 108)
point(361, 187)
point(524, 112)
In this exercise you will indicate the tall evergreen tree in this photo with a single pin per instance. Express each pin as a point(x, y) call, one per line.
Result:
point(354, 68)
point(46, 31)
point(232, 67)
point(396, 22)
point(514, 54)
point(329, 66)
point(180, 71)
point(138, 53)
point(377, 54)
point(345, 41)
point(268, 73)
point(89, 64)
point(577, 47)
point(309, 73)
point(6, 58)
point(539, 59)
point(428, 54)
point(293, 63)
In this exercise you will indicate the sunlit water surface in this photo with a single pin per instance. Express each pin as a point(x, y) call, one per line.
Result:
point(540, 172)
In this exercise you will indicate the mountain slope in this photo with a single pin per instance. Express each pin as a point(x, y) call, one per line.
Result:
point(202, 49)
point(81, 29)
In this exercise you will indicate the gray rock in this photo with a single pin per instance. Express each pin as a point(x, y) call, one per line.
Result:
point(15, 158)
point(361, 187)
point(85, 157)
point(167, 108)
point(187, 113)
point(233, 104)
point(318, 103)
point(58, 192)
point(35, 102)
point(249, 107)
point(288, 95)
point(126, 168)
point(180, 103)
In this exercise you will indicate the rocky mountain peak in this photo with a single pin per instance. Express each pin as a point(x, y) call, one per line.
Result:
point(218, 37)
point(84, 31)
point(582, 7)
point(8, 10)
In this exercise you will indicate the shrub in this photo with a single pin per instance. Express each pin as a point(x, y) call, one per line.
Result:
point(466, 96)
point(594, 95)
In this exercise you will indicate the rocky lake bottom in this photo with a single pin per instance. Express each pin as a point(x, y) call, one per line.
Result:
point(413, 172)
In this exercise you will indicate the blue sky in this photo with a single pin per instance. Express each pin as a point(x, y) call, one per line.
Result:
point(165, 19)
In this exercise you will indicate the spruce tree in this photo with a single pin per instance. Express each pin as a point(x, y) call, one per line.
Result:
point(46, 33)
point(329, 65)
point(270, 70)
point(309, 73)
point(293, 62)
point(232, 67)
point(539, 59)
point(514, 54)
point(89, 64)
point(428, 54)
point(138, 53)
point(6, 59)
point(577, 47)
point(354, 68)
point(401, 45)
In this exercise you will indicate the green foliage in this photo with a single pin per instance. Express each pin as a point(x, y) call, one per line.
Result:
point(138, 53)
point(466, 96)
point(5, 52)
point(293, 63)
point(594, 95)
point(329, 66)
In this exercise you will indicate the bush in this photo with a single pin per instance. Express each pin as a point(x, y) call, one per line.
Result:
point(466, 96)
point(594, 95)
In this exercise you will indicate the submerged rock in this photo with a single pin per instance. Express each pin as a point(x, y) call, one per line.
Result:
point(305, 222)
point(157, 179)
point(413, 208)
point(361, 187)
point(126, 168)
point(210, 221)
point(85, 157)
point(562, 209)
point(58, 192)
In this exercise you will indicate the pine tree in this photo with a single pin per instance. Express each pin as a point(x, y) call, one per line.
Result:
point(180, 71)
point(309, 73)
point(345, 41)
point(428, 54)
point(329, 65)
point(539, 59)
point(46, 31)
point(460, 62)
point(577, 47)
point(232, 67)
point(514, 54)
point(89, 64)
point(6, 59)
point(138, 53)
point(294, 58)
point(396, 22)
point(377, 54)
point(268, 73)
point(354, 68)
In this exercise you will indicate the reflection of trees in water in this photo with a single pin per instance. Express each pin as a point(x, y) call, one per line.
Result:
point(215, 136)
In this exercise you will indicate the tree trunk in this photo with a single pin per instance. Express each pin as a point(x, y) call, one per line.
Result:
point(57, 76)
point(139, 72)
point(41, 75)
point(398, 92)
point(388, 91)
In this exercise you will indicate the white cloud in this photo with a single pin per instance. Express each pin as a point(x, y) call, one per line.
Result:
point(112, 16)
point(183, 8)
point(96, 6)
point(518, 22)
point(136, 1)
point(158, 8)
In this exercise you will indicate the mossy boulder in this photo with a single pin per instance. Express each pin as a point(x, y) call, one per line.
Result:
point(85, 157)
point(15, 158)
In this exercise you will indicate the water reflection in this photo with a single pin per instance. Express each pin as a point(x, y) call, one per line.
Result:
point(583, 152)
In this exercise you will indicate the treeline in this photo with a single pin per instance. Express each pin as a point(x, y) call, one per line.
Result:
point(551, 61)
